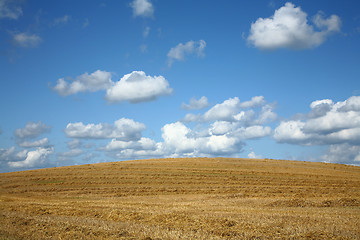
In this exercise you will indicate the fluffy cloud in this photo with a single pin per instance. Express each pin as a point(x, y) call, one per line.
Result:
point(181, 50)
point(137, 87)
point(196, 104)
point(230, 110)
point(33, 158)
point(26, 40)
point(222, 134)
point(98, 80)
point(142, 8)
point(326, 123)
point(44, 142)
point(32, 130)
point(8, 9)
point(123, 129)
point(289, 28)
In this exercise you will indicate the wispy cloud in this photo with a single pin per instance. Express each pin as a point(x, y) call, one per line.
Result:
point(9, 9)
point(26, 40)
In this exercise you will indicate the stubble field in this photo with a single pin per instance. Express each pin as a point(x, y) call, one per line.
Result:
point(195, 198)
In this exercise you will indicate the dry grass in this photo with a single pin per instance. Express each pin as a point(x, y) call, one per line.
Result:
point(198, 198)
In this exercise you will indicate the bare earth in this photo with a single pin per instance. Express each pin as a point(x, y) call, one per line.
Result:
point(196, 198)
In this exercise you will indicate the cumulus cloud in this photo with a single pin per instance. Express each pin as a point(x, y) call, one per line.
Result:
point(342, 153)
point(220, 135)
point(138, 87)
point(289, 28)
point(326, 123)
point(122, 129)
point(8, 9)
point(33, 158)
point(26, 40)
point(32, 130)
point(44, 142)
point(181, 50)
point(142, 8)
point(98, 80)
point(231, 110)
point(196, 104)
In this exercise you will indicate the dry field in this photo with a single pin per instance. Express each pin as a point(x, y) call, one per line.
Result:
point(198, 198)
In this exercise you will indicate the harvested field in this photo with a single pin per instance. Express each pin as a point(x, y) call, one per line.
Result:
point(195, 198)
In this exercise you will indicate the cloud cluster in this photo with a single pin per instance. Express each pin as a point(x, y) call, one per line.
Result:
point(181, 50)
point(214, 136)
point(26, 40)
point(289, 28)
point(328, 123)
point(8, 9)
point(134, 87)
point(142, 8)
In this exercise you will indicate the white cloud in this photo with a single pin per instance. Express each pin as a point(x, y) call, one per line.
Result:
point(33, 158)
point(252, 154)
point(253, 132)
point(229, 110)
point(123, 129)
point(142, 8)
point(342, 153)
point(289, 28)
point(8, 9)
point(327, 123)
point(223, 111)
point(222, 137)
point(181, 50)
point(137, 87)
point(44, 142)
point(141, 144)
point(98, 80)
point(26, 40)
point(196, 104)
point(32, 130)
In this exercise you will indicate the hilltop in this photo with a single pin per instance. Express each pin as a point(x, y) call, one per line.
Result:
point(187, 198)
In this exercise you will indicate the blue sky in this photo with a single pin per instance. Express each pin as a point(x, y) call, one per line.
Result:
point(97, 81)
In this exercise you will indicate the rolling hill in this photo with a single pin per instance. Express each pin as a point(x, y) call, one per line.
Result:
point(187, 198)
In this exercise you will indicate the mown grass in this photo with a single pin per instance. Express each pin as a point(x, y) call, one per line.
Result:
point(195, 198)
